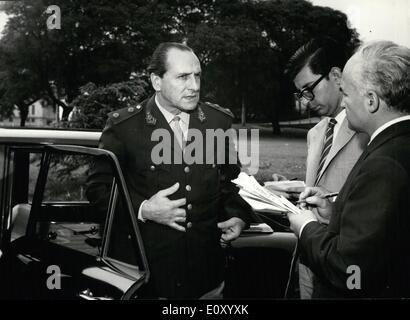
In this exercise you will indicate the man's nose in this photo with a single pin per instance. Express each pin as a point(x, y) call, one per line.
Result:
point(304, 102)
point(194, 83)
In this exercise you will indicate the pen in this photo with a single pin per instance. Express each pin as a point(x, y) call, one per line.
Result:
point(329, 195)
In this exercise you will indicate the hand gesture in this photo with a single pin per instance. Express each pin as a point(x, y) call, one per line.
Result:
point(314, 197)
point(162, 210)
point(298, 220)
point(231, 229)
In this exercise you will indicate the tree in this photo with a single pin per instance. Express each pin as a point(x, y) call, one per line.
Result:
point(99, 41)
point(238, 59)
point(243, 46)
point(289, 25)
point(94, 102)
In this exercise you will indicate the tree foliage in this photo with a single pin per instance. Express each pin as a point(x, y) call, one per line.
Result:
point(95, 102)
point(243, 46)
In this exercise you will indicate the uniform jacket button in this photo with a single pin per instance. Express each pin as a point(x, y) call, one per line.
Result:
point(186, 169)
point(189, 225)
point(188, 188)
point(131, 109)
point(152, 168)
point(189, 206)
point(115, 114)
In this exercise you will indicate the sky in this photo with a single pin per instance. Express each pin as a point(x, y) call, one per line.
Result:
point(373, 19)
point(376, 19)
point(3, 19)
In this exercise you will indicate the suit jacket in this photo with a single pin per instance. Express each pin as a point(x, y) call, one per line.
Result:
point(370, 225)
point(346, 149)
point(182, 264)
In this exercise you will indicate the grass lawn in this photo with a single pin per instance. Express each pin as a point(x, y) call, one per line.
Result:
point(285, 154)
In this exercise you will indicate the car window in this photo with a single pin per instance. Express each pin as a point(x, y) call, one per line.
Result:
point(80, 204)
point(34, 168)
point(2, 157)
point(67, 217)
point(66, 179)
point(122, 244)
point(21, 172)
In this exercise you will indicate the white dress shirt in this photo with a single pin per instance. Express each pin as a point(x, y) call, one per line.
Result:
point(386, 125)
point(169, 116)
point(339, 118)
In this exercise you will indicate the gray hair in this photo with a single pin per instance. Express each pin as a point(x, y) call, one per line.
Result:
point(386, 69)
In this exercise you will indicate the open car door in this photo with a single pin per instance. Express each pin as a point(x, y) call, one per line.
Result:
point(62, 245)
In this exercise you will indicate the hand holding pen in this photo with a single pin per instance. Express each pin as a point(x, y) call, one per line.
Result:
point(325, 196)
point(316, 197)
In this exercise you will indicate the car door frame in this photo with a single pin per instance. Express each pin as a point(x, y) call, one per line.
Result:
point(119, 182)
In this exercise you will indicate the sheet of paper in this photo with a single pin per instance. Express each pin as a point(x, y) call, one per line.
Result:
point(284, 186)
point(262, 206)
point(261, 198)
point(259, 228)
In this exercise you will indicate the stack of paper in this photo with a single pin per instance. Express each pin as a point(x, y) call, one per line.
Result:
point(286, 185)
point(261, 199)
point(258, 228)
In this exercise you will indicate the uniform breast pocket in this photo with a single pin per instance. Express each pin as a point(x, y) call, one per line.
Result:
point(146, 170)
point(164, 176)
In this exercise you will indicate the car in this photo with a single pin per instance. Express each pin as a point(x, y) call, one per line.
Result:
point(55, 244)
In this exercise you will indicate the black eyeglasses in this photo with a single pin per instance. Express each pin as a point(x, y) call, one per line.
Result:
point(307, 92)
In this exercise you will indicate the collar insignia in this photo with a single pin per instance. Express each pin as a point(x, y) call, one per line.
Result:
point(150, 119)
point(201, 114)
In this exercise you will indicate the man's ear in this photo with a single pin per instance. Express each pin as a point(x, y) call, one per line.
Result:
point(156, 81)
point(335, 75)
point(372, 101)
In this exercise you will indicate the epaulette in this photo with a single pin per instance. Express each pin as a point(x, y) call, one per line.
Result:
point(120, 115)
point(219, 108)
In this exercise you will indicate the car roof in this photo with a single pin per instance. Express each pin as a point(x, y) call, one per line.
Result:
point(50, 136)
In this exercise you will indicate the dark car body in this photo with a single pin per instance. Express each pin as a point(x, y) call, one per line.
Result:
point(56, 245)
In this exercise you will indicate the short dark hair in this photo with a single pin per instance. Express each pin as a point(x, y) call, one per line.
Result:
point(158, 61)
point(321, 55)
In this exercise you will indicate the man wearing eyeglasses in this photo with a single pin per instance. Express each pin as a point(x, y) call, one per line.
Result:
point(333, 148)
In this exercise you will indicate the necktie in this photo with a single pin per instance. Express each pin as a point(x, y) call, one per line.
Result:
point(326, 147)
point(178, 132)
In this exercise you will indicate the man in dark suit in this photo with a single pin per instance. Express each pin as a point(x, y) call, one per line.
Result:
point(365, 249)
point(333, 148)
point(184, 209)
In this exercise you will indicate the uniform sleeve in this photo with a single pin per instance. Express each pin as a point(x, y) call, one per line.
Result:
point(100, 180)
point(371, 204)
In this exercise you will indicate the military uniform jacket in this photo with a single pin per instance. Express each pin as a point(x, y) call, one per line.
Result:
point(182, 264)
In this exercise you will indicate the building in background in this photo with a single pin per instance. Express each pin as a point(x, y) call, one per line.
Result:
point(40, 114)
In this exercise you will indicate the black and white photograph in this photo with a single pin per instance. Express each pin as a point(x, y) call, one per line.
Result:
point(203, 155)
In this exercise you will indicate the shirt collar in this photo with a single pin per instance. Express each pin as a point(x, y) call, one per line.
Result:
point(386, 125)
point(341, 116)
point(184, 116)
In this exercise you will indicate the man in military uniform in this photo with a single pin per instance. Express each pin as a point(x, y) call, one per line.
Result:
point(184, 211)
